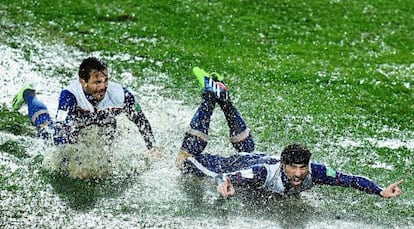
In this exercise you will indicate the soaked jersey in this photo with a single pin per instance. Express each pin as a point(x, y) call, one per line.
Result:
point(265, 172)
point(77, 110)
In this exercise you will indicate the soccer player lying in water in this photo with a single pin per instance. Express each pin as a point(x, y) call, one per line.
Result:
point(92, 99)
point(290, 175)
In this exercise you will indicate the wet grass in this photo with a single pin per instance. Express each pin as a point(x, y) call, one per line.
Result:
point(14, 148)
point(311, 72)
point(14, 122)
point(304, 53)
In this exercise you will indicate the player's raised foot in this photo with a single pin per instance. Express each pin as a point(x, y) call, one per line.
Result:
point(211, 82)
point(200, 75)
point(217, 77)
point(18, 99)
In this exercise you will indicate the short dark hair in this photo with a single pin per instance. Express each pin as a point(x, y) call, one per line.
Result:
point(88, 65)
point(295, 154)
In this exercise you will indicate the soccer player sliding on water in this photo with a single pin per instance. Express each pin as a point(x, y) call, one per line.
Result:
point(90, 100)
point(289, 176)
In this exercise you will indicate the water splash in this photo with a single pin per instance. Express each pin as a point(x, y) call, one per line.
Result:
point(158, 196)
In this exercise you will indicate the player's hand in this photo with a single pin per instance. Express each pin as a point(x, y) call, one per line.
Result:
point(392, 191)
point(226, 188)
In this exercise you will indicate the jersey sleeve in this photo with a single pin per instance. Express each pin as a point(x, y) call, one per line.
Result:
point(67, 106)
point(324, 175)
point(135, 114)
point(253, 176)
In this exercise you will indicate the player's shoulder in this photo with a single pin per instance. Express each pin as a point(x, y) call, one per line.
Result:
point(317, 168)
point(321, 170)
point(317, 165)
point(65, 93)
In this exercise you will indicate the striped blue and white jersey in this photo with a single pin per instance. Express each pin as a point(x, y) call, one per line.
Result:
point(265, 172)
point(77, 109)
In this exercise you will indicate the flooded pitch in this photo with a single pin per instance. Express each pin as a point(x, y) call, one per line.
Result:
point(138, 190)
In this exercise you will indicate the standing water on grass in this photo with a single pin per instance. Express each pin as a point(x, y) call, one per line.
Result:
point(136, 189)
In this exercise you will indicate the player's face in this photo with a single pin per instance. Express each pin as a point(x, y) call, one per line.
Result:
point(296, 173)
point(97, 84)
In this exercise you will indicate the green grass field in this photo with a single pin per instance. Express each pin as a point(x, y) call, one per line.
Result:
point(314, 72)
